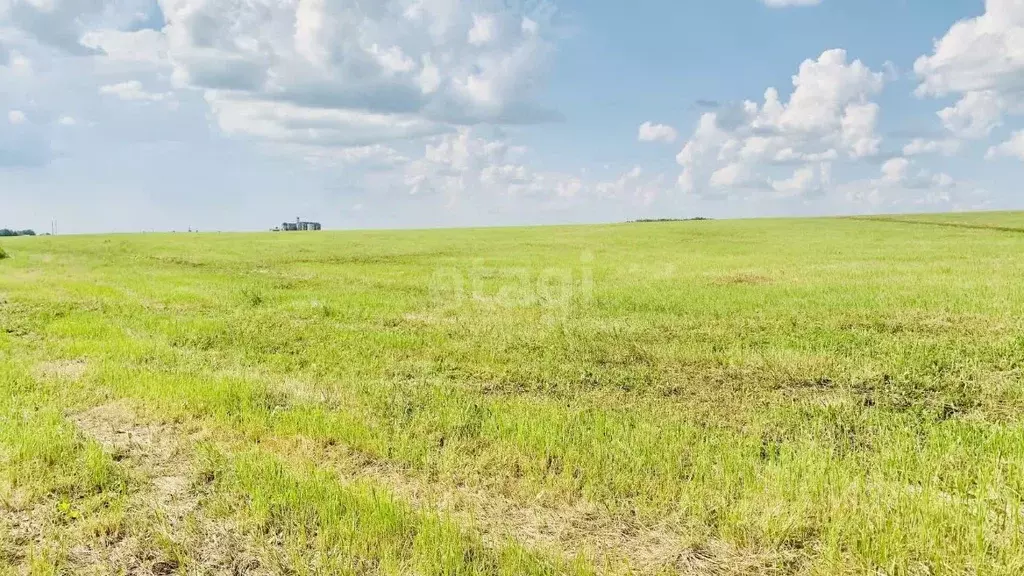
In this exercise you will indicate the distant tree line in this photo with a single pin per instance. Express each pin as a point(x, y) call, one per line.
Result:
point(8, 232)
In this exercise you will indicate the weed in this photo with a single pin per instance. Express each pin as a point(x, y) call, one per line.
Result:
point(253, 297)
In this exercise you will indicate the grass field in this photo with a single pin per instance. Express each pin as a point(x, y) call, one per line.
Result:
point(818, 396)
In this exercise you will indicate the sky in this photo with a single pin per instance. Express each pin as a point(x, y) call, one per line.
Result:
point(158, 115)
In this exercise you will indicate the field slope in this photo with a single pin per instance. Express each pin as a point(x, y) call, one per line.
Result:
point(814, 396)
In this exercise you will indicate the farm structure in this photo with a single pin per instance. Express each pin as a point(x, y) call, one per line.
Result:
point(298, 226)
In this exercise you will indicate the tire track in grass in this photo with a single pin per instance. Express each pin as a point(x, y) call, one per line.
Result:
point(990, 227)
point(581, 530)
point(259, 484)
point(574, 529)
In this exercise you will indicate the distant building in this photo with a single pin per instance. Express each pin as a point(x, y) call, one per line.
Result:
point(298, 226)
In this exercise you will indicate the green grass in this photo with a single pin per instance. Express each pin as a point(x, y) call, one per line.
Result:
point(814, 396)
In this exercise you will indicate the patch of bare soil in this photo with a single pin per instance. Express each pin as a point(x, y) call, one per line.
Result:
point(21, 530)
point(168, 507)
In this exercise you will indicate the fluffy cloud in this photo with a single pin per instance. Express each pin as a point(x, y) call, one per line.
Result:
point(146, 46)
point(920, 146)
point(635, 186)
point(304, 71)
point(338, 83)
point(408, 94)
point(54, 23)
point(901, 184)
point(805, 181)
point(975, 115)
point(897, 174)
point(370, 158)
point(285, 123)
point(16, 117)
point(828, 116)
point(981, 60)
point(402, 68)
point(464, 165)
point(657, 133)
point(894, 170)
point(858, 129)
point(133, 91)
point(1014, 147)
point(484, 30)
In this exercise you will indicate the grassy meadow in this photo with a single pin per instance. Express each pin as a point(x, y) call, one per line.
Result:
point(804, 396)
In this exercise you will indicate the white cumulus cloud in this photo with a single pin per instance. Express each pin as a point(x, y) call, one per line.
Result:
point(308, 68)
point(894, 170)
point(144, 46)
point(464, 165)
point(55, 23)
point(132, 90)
point(901, 183)
point(805, 181)
point(1014, 147)
point(484, 30)
point(980, 60)
point(829, 115)
point(920, 146)
point(897, 173)
point(657, 133)
point(975, 115)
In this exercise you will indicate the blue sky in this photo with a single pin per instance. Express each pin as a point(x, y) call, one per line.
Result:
point(127, 115)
